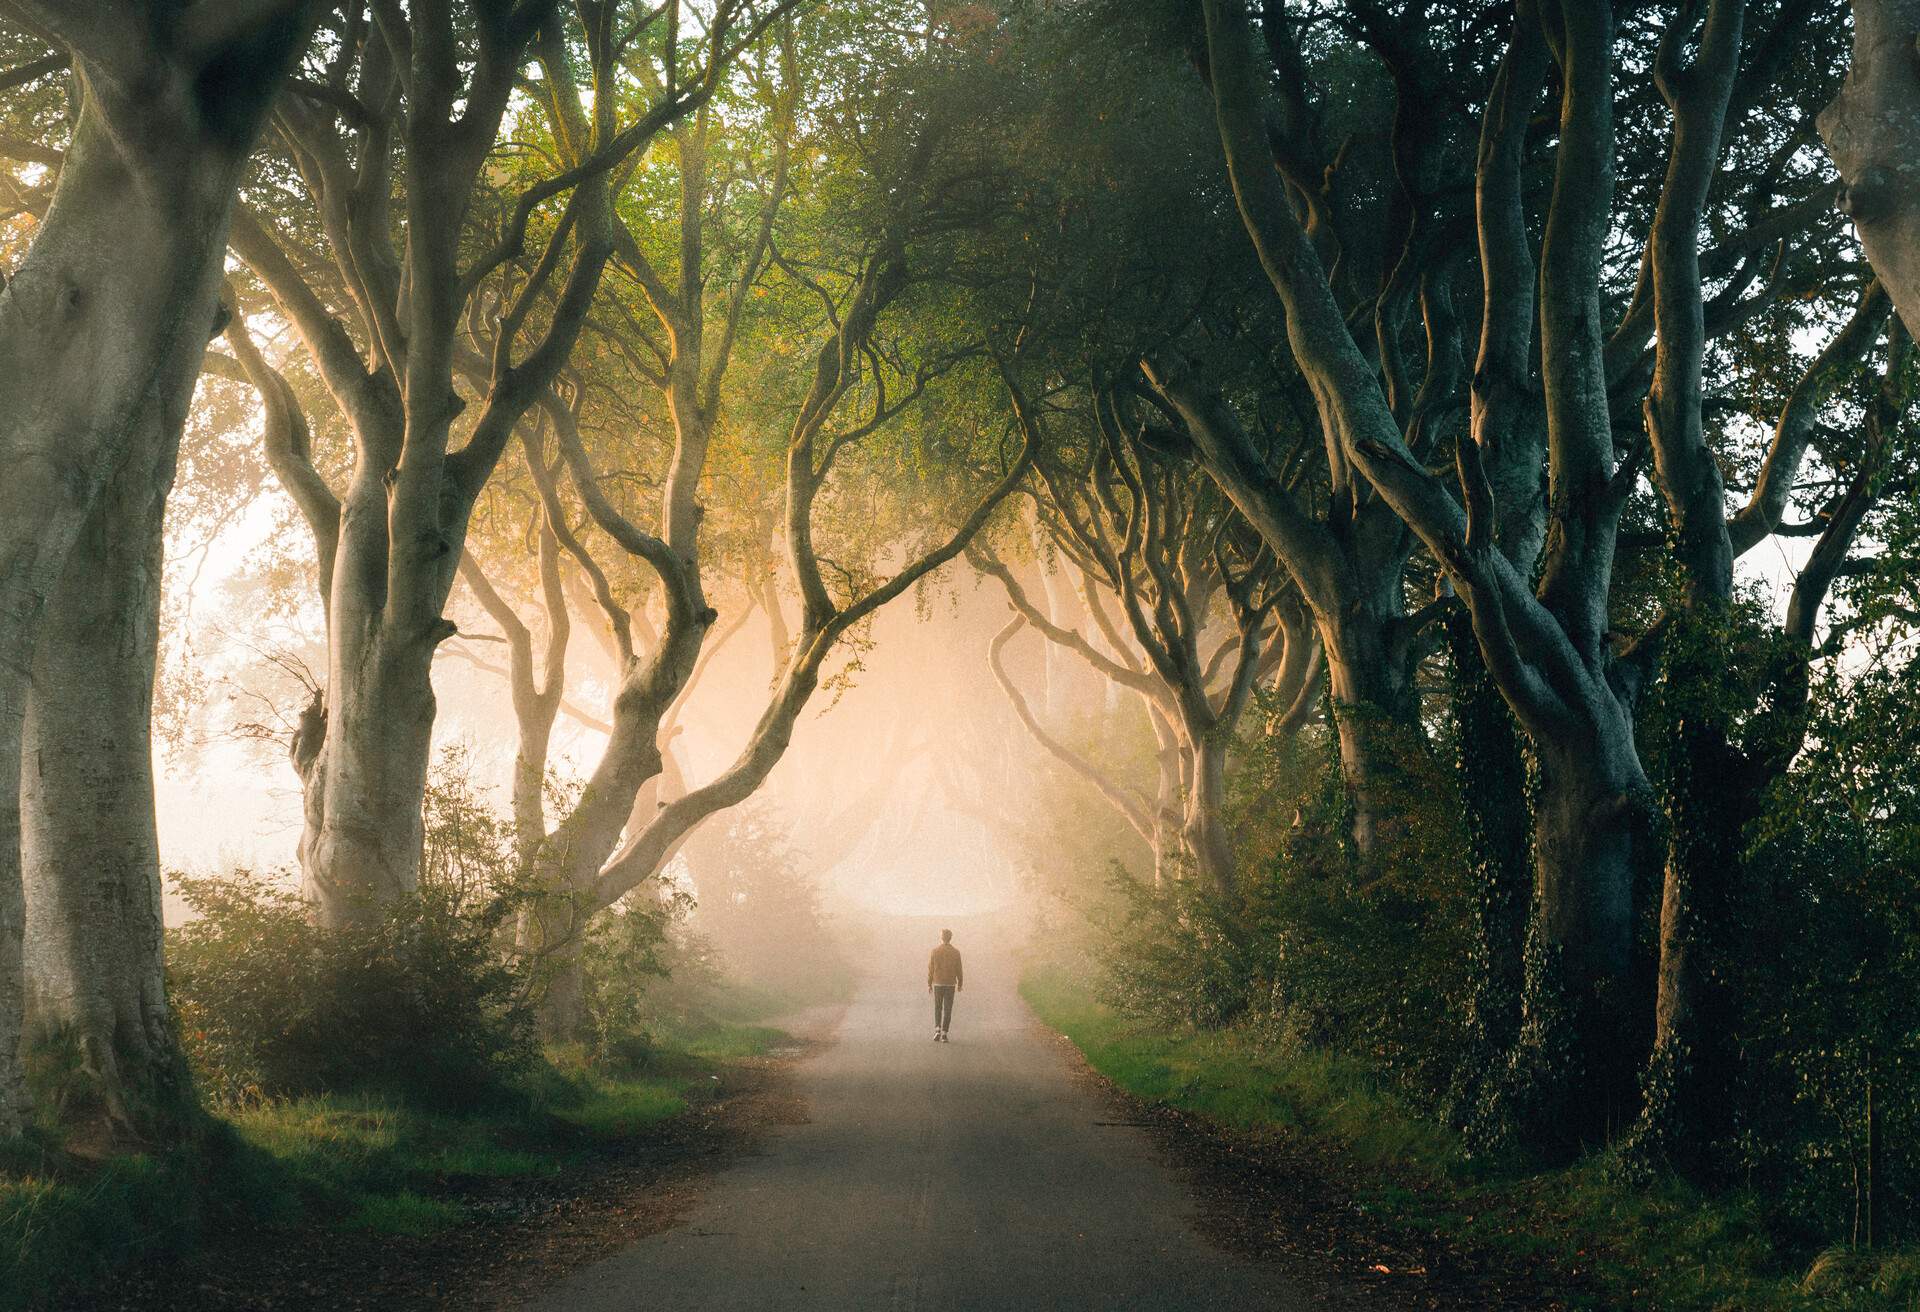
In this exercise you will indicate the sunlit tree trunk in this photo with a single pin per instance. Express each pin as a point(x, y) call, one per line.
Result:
point(103, 324)
point(1373, 712)
point(1872, 129)
point(95, 974)
point(364, 774)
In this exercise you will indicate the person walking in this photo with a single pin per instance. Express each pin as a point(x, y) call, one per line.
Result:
point(944, 979)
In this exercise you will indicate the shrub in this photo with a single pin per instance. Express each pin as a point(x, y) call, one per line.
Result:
point(627, 947)
point(1305, 953)
point(1831, 1124)
point(419, 1002)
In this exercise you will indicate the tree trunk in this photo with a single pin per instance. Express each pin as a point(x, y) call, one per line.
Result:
point(1872, 129)
point(365, 749)
point(1576, 1057)
point(1712, 792)
point(1374, 721)
point(1169, 843)
point(90, 854)
point(364, 767)
point(1205, 828)
point(1493, 790)
point(570, 859)
point(101, 333)
point(1352, 583)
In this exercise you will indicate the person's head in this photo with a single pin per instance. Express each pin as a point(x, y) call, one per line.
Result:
point(946, 936)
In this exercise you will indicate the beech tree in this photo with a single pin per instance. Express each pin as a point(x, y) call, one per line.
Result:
point(389, 150)
point(689, 379)
point(1552, 650)
point(102, 327)
point(812, 450)
point(1169, 550)
point(1872, 128)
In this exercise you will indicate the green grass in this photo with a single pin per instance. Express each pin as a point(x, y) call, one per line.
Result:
point(729, 1041)
point(363, 1163)
point(403, 1213)
point(1654, 1246)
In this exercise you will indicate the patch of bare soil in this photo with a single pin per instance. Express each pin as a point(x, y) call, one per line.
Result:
point(523, 1236)
point(1295, 1201)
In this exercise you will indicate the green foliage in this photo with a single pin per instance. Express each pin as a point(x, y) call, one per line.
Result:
point(1234, 1075)
point(419, 1000)
point(1306, 955)
point(422, 1000)
point(404, 1213)
point(627, 949)
point(63, 1222)
point(661, 968)
point(1833, 1038)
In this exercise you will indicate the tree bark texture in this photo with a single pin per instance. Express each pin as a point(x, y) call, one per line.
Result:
point(1689, 1084)
point(95, 972)
point(102, 329)
point(363, 750)
point(1872, 129)
point(1548, 652)
point(1493, 793)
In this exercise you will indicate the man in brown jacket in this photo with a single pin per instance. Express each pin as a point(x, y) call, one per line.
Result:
point(944, 980)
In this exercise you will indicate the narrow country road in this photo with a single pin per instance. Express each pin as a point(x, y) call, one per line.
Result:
point(976, 1174)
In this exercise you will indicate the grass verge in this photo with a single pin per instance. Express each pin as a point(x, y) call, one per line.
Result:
point(1661, 1247)
point(360, 1162)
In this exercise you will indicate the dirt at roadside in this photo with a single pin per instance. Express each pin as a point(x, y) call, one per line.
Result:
point(523, 1236)
point(1290, 1199)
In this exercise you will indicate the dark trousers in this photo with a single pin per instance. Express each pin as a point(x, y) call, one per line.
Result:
point(942, 1006)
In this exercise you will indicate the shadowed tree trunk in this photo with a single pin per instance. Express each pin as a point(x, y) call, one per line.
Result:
point(1493, 787)
point(1689, 1085)
point(1549, 653)
point(1716, 784)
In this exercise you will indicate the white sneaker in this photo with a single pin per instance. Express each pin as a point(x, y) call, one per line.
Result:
point(937, 1036)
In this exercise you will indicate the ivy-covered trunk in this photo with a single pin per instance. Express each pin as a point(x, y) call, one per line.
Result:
point(1712, 792)
point(1576, 1058)
point(1493, 790)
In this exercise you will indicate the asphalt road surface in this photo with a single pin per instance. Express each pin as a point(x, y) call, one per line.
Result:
point(976, 1174)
